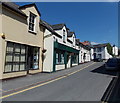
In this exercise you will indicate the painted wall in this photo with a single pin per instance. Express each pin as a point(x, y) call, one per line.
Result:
point(60, 67)
point(81, 55)
point(1, 64)
point(49, 46)
point(115, 51)
point(107, 55)
point(92, 53)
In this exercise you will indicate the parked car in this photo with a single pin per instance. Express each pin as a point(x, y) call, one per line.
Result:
point(98, 60)
point(119, 64)
point(112, 64)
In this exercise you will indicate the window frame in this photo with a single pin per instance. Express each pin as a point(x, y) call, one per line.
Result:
point(60, 58)
point(34, 28)
point(13, 53)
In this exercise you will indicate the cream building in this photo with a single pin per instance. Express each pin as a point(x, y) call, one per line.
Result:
point(21, 40)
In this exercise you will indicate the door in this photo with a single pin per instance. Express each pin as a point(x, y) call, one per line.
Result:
point(94, 55)
point(29, 58)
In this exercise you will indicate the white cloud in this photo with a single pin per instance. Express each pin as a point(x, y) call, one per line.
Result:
point(94, 43)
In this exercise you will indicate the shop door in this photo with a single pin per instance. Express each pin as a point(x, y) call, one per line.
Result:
point(29, 58)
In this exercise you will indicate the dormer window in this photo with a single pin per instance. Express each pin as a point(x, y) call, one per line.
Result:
point(63, 35)
point(32, 18)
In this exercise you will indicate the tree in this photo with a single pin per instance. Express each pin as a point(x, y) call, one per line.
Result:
point(110, 49)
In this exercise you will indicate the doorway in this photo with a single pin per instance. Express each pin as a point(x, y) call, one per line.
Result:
point(32, 58)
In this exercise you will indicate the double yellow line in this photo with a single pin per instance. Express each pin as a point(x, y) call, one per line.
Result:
point(44, 83)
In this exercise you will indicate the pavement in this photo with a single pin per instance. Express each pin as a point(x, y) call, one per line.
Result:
point(86, 82)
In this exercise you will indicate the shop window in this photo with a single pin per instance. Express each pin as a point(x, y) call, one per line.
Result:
point(75, 59)
point(59, 58)
point(14, 57)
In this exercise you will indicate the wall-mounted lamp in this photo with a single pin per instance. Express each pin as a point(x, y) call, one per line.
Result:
point(3, 35)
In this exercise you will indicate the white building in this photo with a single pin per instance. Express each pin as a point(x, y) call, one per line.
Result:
point(100, 51)
point(60, 46)
point(85, 55)
point(115, 50)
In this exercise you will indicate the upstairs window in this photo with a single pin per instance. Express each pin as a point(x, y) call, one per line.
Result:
point(32, 18)
point(63, 35)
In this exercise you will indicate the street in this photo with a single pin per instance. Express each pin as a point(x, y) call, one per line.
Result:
point(87, 84)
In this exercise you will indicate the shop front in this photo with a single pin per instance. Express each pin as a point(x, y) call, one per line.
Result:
point(21, 57)
point(64, 57)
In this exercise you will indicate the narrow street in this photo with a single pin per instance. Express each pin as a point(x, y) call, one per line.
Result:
point(87, 84)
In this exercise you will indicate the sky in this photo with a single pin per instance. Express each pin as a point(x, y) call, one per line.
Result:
point(96, 22)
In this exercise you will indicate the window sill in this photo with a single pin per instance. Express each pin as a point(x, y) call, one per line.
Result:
point(32, 32)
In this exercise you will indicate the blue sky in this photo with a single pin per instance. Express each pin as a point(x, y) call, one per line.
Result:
point(92, 21)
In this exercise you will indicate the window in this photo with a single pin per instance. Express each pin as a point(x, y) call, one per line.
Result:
point(32, 18)
point(63, 35)
point(59, 58)
point(94, 49)
point(15, 57)
point(75, 58)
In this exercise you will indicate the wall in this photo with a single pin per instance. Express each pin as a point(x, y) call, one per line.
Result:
point(107, 55)
point(49, 46)
point(60, 67)
point(115, 50)
point(1, 64)
point(92, 53)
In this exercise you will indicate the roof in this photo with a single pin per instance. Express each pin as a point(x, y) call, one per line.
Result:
point(13, 7)
point(49, 27)
point(86, 43)
point(100, 45)
point(70, 34)
point(84, 46)
point(77, 41)
point(58, 26)
point(30, 5)
point(45, 24)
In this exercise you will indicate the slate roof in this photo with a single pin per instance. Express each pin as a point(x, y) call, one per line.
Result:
point(58, 26)
point(45, 24)
point(77, 41)
point(30, 5)
point(48, 26)
point(100, 45)
point(70, 34)
point(14, 7)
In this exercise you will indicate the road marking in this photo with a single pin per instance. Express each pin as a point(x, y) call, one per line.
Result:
point(44, 83)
